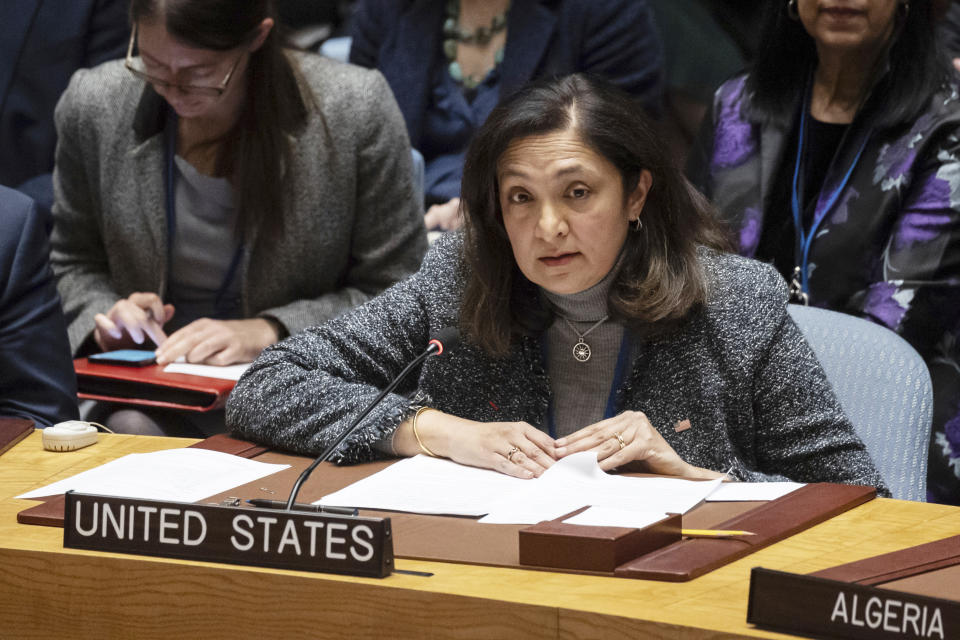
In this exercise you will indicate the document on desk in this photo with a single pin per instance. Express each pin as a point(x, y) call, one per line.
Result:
point(579, 481)
point(427, 485)
point(752, 491)
point(431, 485)
point(231, 372)
point(178, 475)
point(607, 517)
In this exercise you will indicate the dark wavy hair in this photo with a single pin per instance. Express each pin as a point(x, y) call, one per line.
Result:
point(660, 281)
point(254, 153)
point(909, 72)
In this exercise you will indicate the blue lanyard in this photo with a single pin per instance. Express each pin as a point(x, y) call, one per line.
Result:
point(170, 151)
point(805, 241)
point(620, 373)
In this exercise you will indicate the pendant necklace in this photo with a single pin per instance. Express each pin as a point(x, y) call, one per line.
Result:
point(581, 350)
point(454, 34)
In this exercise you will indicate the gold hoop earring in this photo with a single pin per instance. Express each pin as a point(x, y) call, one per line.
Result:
point(792, 10)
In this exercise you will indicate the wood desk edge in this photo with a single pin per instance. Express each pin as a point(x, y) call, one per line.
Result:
point(575, 604)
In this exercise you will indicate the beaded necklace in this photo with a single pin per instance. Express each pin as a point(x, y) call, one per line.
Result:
point(453, 35)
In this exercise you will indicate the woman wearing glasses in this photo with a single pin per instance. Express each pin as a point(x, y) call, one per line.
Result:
point(215, 192)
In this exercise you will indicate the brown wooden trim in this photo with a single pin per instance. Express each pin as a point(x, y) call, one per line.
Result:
point(898, 564)
point(12, 431)
point(770, 523)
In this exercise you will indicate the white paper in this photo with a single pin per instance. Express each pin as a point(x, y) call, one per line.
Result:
point(231, 372)
point(607, 517)
point(749, 491)
point(426, 485)
point(178, 475)
point(431, 485)
point(578, 481)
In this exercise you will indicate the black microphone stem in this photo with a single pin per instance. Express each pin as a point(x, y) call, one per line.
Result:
point(433, 348)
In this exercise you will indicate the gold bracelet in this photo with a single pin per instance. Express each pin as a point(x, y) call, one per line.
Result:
point(417, 435)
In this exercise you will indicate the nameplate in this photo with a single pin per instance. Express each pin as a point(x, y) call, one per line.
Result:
point(833, 609)
point(305, 541)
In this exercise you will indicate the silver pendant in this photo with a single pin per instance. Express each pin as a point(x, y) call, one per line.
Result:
point(581, 351)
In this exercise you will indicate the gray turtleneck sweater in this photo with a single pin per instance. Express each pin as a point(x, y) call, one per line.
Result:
point(580, 390)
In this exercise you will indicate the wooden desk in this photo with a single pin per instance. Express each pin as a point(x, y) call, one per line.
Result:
point(48, 592)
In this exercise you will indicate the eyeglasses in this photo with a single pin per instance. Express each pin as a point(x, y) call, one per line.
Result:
point(186, 89)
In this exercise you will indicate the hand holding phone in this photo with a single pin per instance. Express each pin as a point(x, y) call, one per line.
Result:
point(131, 320)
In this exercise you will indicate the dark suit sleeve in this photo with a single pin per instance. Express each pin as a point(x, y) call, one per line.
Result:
point(622, 44)
point(108, 32)
point(367, 32)
point(74, 45)
point(36, 372)
point(949, 30)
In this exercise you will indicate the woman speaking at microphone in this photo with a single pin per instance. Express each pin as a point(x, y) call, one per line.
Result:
point(597, 311)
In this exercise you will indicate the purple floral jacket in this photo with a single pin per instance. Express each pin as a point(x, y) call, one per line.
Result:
point(888, 249)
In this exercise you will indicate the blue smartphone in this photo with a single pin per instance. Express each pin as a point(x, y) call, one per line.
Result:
point(125, 357)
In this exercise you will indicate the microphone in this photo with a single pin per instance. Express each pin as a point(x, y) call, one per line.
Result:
point(447, 339)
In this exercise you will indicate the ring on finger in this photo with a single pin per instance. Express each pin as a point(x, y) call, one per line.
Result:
point(620, 440)
point(511, 453)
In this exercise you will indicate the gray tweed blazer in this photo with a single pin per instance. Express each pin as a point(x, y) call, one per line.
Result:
point(739, 370)
point(353, 228)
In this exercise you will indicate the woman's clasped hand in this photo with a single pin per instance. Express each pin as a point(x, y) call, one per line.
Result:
point(513, 448)
point(627, 438)
point(518, 449)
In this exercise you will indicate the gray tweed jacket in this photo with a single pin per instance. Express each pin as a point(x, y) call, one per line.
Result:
point(353, 228)
point(739, 370)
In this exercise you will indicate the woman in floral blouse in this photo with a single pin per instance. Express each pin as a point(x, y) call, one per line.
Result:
point(837, 158)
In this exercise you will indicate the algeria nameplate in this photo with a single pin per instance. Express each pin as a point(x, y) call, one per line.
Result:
point(305, 541)
point(820, 607)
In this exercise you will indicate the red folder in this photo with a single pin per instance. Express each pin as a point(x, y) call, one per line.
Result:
point(149, 386)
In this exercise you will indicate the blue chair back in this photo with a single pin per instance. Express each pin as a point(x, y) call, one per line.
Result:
point(884, 388)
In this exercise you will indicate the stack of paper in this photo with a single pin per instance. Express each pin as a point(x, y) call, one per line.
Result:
point(178, 475)
point(431, 485)
point(230, 372)
point(749, 491)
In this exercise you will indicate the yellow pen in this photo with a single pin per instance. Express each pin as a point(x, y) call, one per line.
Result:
point(713, 533)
